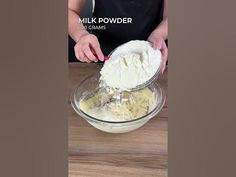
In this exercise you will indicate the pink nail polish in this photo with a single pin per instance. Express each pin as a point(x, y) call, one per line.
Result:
point(106, 58)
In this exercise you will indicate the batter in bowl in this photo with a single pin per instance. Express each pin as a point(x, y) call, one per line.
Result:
point(119, 106)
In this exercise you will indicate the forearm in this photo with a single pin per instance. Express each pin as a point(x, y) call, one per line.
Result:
point(162, 29)
point(75, 28)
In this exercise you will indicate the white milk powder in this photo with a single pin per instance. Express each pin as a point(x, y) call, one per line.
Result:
point(130, 65)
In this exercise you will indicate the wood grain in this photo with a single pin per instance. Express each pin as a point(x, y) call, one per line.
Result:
point(93, 153)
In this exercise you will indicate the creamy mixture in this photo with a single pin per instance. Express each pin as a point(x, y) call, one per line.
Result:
point(130, 65)
point(120, 106)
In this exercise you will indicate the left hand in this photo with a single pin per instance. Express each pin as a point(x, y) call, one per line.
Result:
point(158, 43)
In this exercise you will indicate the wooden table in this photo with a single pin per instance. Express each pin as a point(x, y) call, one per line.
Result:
point(93, 153)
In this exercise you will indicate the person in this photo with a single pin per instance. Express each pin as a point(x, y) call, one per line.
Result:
point(149, 22)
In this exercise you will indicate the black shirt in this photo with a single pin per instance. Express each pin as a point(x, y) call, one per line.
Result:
point(146, 16)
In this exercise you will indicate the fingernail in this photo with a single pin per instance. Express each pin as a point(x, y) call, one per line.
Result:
point(106, 57)
point(163, 70)
point(158, 46)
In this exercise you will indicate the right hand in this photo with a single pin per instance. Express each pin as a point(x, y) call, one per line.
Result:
point(87, 49)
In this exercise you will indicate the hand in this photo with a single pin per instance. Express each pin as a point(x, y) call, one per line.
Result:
point(88, 49)
point(159, 43)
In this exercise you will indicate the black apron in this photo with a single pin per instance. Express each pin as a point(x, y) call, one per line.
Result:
point(146, 16)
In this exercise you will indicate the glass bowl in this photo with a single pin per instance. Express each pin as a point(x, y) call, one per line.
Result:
point(91, 84)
